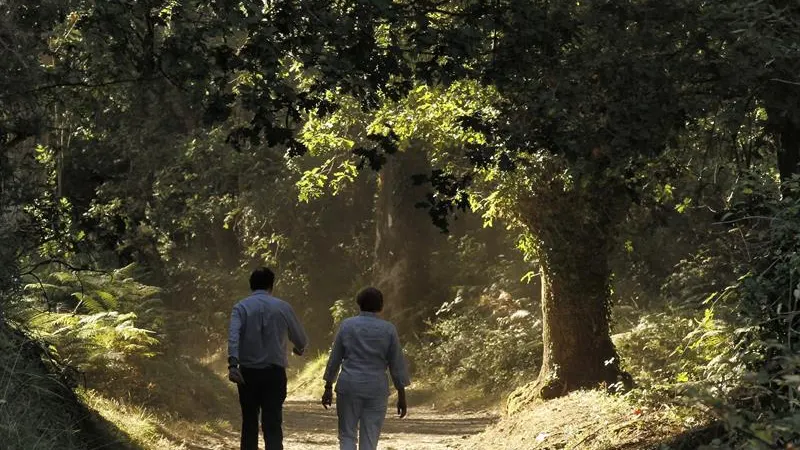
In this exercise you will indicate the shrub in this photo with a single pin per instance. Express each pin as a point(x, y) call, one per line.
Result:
point(98, 323)
point(732, 325)
point(766, 411)
point(483, 337)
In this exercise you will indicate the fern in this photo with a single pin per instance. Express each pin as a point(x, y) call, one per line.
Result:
point(112, 319)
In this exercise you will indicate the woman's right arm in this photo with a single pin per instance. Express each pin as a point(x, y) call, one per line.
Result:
point(335, 359)
point(397, 364)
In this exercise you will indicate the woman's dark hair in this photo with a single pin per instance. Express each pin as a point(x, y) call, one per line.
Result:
point(370, 300)
point(262, 279)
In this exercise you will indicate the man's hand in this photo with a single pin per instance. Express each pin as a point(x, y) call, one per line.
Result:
point(327, 397)
point(297, 351)
point(402, 407)
point(235, 375)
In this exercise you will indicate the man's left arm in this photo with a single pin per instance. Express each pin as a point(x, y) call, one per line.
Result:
point(296, 332)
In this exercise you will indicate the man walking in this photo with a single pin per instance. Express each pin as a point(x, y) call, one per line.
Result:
point(257, 358)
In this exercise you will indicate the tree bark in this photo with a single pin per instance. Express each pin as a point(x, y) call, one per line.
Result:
point(575, 232)
point(784, 123)
point(789, 151)
point(578, 352)
point(404, 241)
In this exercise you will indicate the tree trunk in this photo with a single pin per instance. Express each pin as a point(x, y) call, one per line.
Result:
point(575, 232)
point(404, 240)
point(578, 352)
point(789, 152)
point(784, 122)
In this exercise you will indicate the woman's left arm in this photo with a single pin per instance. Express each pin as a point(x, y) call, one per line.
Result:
point(332, 369)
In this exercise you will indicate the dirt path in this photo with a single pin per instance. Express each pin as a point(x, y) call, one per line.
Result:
point(308, 426)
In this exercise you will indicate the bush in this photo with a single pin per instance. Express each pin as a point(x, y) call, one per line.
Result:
point(766, 411)
point(37, 408)
point(98, 323)
point(486, 338)
point(674, 354)
point(729, 342)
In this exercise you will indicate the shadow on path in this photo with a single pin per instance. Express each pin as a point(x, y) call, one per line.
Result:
point(309, 426)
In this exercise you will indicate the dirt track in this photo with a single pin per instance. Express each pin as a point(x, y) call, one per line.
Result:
point(308, 426)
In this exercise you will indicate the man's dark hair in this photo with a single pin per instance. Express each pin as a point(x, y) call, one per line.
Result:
point(262, 279)
point(370, 300)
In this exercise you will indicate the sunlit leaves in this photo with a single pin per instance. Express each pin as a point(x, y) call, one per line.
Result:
point(346, 173)
point(311, 184)
point(428, 119)
point(97, 321)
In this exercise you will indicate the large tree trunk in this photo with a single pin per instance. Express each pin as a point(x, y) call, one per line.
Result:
point(784, 122)
point(404, 241)
point(789, 152)
point(578, 352)
point(575, 229)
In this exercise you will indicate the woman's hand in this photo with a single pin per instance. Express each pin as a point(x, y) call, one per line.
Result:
point(402, 406)
point(327, 397)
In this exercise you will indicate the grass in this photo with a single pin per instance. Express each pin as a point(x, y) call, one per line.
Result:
point(307, 381)
point(463, 398)
point(590, 420)
point(38, 410)
point(175, 402)
point(141, 427)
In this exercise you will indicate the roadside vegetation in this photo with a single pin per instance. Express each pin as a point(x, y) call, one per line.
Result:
point(569, 206)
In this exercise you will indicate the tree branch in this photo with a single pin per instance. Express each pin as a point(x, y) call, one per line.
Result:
point(63, 263)
point(82, 85)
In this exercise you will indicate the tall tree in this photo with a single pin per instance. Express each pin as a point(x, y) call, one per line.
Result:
point(590, 92)
point(754, 51)
point(405, 240)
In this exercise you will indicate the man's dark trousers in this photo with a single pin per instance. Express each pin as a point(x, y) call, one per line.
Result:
point(264, 391)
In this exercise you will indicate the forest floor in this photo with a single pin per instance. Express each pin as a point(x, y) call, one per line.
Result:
point(308, 426)
point(438, 419)
point(592, 420)
point(588, 420)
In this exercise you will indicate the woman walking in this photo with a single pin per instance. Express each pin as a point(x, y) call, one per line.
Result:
point(364, 348)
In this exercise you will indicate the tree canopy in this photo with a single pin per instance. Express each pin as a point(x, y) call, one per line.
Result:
point(164, 146)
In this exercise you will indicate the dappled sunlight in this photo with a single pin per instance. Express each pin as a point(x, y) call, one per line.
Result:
point(309, 426)
point(578, 221)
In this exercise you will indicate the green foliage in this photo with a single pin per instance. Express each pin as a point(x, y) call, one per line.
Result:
point(37, 407)
point(676, 356)
point(727, 343)
point(768, 295)
point(102, 343)
point(427, 119)
point(98, 323)
point(485, 338)
point(342, 309)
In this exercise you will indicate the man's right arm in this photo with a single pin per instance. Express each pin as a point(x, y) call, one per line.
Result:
point(234, 335)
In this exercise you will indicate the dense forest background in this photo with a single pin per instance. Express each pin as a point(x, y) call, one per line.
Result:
point(553, 195)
